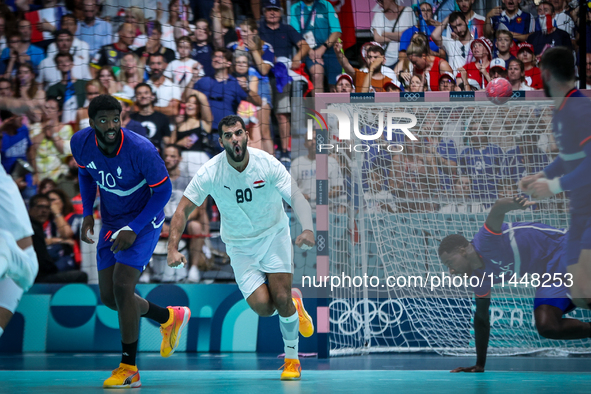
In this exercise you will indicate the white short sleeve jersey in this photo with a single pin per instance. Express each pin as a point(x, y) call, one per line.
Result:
point(249, 201)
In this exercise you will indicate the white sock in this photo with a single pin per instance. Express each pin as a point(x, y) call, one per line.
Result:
point(290, 327)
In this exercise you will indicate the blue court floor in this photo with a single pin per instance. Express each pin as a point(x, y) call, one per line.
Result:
point(258, 374)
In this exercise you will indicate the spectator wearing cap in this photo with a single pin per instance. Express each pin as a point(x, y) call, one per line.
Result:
point(447, 82)
point(425, 24)
point(317, 22)
point(393, 86)
point(516, 75)
point(498, 69)
point(92, 30)
point(284, 39)
point(126, 121)
point(344, 84)
point(549, 35)
point(49, 74)
point(111, 54)
point(533, 75)
point(388, 25)
point(503, 45)
point(371, 81)
point(458, 45)
point(476, 74)
point(512, 19)
point(425, 65)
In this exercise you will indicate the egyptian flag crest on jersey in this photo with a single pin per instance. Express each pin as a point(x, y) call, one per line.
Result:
point(259, 184)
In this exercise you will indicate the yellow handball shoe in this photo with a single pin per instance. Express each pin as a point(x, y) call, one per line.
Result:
point(292, 370)
point(172, 329)
point(306, 324)
point(124, 377)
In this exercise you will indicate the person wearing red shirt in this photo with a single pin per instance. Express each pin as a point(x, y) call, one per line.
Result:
point(533, 76)
point(476, 74)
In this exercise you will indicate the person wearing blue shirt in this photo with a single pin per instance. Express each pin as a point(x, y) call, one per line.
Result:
point(511, 18)
point(425, 25)
point(92, 30)
point(15, 144)
point(483, 163)
point(26, 53)
point(526, 158)
point(134, 188)
point(570, 170)
point(318, 23)
point(501, 252)
point(223, 91)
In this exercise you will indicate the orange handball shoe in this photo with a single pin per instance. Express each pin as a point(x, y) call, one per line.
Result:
point(292, 370)
point(306, 324)
point(125, 377)
point(172, 329)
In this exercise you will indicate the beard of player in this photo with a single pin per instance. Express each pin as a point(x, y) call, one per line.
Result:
point(100, 135)
point(237, 156)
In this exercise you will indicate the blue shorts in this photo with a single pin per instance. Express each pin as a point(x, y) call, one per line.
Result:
point(578, 237)
point(137, 256)
point(556, 294)
point(265, 91)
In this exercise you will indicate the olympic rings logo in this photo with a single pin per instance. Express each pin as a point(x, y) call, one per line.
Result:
point(320, 243)
point(411, 96)
point(350, 320)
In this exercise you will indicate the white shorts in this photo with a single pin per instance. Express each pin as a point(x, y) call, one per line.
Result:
point(14, 217)
point(10, 294)
point(251, 261)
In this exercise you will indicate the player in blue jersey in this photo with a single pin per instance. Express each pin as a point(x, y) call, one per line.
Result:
point(507, 249)
point(570, 170)
point(134, 188)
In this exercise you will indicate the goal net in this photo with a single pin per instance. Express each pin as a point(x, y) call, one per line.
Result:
point(403, 197)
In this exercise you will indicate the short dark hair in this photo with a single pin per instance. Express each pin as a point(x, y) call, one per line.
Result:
point(550, 4)
point(456, 15)
point(229, 121)
point(142, 85)
point(33, 201)
point(560, 62)
point(66, 16)
point(375, 48)
point(67, 206)
point(227, 53)
point(174, 146)
point(68, 55)
point(153, 55)
point(62, 31)
point(505, 32)
point(58, 100)
point(451, 243)
point(104, 102)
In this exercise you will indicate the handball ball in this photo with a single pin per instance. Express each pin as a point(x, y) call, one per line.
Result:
point(499, 91)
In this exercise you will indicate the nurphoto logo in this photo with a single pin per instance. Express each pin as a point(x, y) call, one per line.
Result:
point(344, 133)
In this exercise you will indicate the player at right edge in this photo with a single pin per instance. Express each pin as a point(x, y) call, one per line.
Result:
point(248, 186)
point(570, 170)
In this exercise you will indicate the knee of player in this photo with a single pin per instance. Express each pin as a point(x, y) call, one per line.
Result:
point(109, 301)
point(548, 330)
point(282, 300)
point(123, 288)
point(265, 310)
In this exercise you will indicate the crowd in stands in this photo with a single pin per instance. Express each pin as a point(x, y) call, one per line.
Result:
point(179, 66)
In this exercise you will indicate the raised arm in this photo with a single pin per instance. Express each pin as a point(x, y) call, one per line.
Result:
point(496, 216)
point(436, 36)
point(343, 61)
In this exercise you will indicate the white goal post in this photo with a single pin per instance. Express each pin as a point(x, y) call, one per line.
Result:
point(400, 203)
